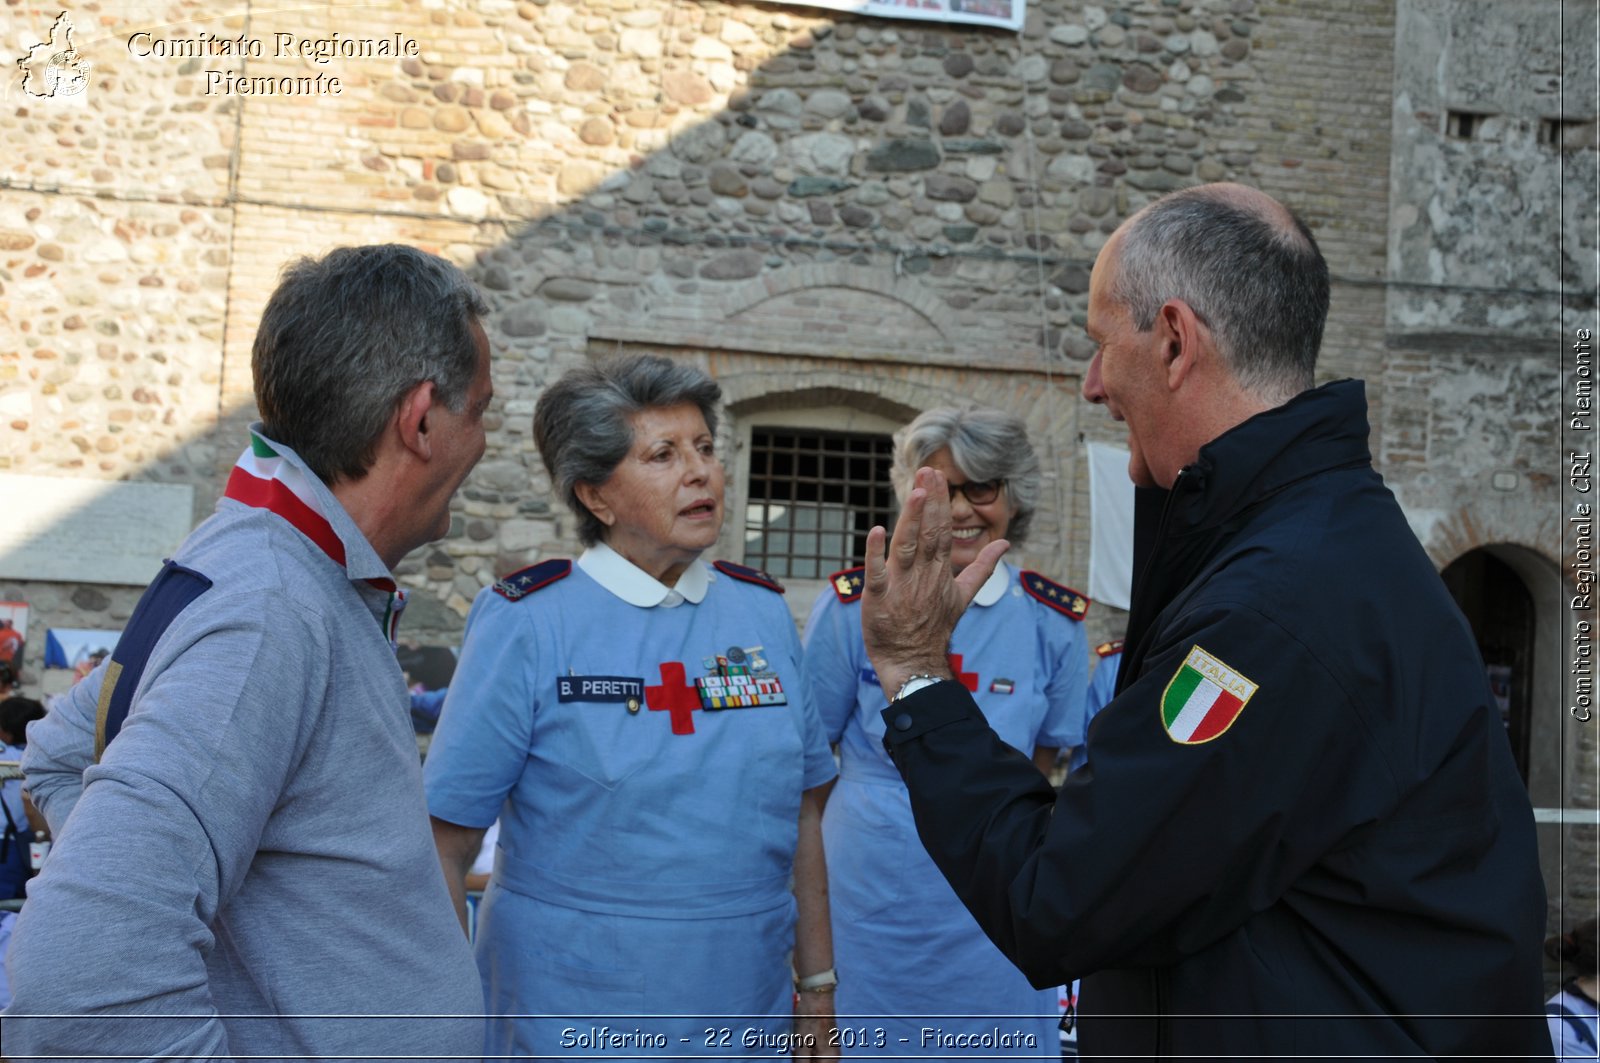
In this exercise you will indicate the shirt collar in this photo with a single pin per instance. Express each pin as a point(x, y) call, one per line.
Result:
point(635, 586)
point(994, 588)
point(271, 476)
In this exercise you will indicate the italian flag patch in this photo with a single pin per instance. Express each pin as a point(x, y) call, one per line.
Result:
point(1203, 699)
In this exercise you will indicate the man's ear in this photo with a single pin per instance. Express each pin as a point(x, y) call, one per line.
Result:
point(412, 419)
point(1184, 341)
point(590, 496)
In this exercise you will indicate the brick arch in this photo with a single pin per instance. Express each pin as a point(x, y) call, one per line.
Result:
point(747, 389)
point(1553, 754)
point(751, 294)
point(816, 397)
point(1515, 527)
point(1527, 558)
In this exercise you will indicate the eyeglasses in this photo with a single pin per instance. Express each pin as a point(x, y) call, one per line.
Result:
point(978, 492)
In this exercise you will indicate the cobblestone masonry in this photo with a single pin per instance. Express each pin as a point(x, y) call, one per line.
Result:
point(826, 211)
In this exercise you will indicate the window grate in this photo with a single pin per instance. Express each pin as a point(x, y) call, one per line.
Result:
point(1463, 125)
point(1567, 134)
point(813, 496)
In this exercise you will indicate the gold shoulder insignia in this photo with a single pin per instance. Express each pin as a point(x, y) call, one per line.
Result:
point(1063, 600)
point(848, 584)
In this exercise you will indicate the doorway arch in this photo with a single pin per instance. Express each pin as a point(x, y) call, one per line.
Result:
point(1512, 597)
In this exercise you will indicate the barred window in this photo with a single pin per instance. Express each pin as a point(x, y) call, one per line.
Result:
point(1565, 134)
point(813, 496)
point(1462, 125)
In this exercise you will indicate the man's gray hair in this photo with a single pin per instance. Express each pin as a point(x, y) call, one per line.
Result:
point(581, 423)
point(1260, 285)
point(985, 444)
point(346, 336)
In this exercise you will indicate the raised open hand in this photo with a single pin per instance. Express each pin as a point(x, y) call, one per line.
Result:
point(911, 601)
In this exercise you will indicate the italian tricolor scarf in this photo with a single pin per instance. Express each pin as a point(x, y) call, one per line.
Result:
point(264, 479)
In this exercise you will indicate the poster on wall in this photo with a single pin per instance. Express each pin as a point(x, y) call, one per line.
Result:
point(13, 632)
point(1004, 13)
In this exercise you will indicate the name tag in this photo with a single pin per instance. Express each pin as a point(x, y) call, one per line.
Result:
point(602, 689)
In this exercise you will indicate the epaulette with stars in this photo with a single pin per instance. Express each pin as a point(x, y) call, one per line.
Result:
point(524, 582)
point(847, 584)
point(748, 574)
point(1109, 649)
point(1063, 600)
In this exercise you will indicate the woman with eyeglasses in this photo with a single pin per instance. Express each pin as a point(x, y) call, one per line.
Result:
point(903, 943)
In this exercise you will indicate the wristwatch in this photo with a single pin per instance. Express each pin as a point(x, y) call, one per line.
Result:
point(914, 684)
point(821, 982)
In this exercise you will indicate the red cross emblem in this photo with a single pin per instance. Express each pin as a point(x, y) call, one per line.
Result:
point(966, 679)
point(675, 695)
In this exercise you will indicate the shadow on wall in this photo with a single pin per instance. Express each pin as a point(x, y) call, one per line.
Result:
point(887, 215)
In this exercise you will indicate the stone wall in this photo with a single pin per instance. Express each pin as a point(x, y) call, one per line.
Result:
point(832, 213)
point(704, 176)
point(1491, 254)
point(1491, 251)
point(719, 177)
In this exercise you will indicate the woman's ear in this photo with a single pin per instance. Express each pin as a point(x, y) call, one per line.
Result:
point(594, 502)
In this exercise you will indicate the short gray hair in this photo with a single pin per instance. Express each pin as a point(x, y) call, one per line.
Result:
point(1261, 286)
point(345, 337)
point(985, 444)
point(581, 423)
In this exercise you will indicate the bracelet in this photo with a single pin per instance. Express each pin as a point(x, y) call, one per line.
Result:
point(821, 982)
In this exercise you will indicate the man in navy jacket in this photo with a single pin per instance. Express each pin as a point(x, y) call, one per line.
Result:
point(1300, 831)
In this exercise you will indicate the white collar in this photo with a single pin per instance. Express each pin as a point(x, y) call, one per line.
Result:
point(637, 587)
point(994, 588)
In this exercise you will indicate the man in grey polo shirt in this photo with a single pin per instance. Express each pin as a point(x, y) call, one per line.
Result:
point(243, 864)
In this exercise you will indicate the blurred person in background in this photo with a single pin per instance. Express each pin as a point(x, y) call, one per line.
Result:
point(1572, 1011)
point(20, 817)
point(10, 643)
point(904, 942)
point(1102, 688)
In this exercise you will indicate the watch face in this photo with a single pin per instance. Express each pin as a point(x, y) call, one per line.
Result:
point(914, 684)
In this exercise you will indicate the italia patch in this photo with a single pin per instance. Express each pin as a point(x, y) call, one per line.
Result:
point(1203, 698)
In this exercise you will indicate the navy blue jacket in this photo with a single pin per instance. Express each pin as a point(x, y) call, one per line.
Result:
point(1340, 861)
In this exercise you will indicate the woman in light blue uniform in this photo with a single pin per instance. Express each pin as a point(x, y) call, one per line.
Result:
point(1102, 688)
point(1572, 1013)
point(904, 944)
point(638, 723)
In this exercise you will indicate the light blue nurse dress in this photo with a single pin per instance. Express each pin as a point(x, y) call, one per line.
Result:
point(1102, 688)
point(916, 974)
point(641, 893)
